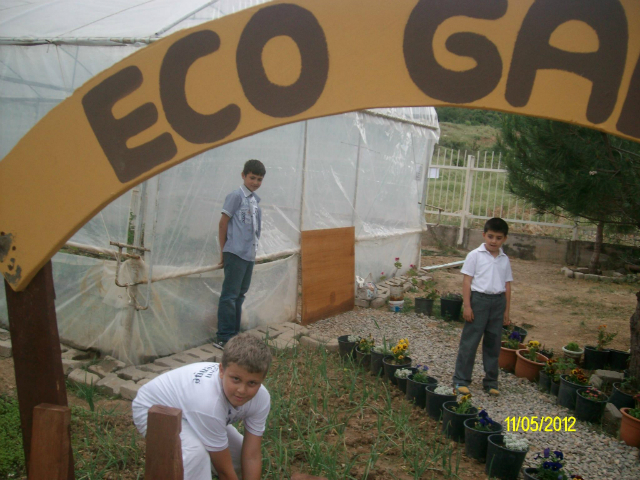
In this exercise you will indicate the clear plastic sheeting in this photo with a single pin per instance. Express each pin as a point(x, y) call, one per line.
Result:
point(361, 169)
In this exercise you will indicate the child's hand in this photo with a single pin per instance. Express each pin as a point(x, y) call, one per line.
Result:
point(221, 260)
point(467, 314)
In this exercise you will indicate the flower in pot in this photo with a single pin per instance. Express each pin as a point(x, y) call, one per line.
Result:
point(436, 397)
point(402, 374)
point(477, 431)
point(451, 306)
point(569, 386)
point(630, 425)
point(416, 384)
point(547, 352)
point(377, 354)
point(550, 466)
point(559, 367)
point(590, 404)
point(399, 357)
point(623, 392)
point(363, 351)
point(546, 375)
point(529, 361)
point(454, 415)
point(505, 455)
point(347, 344)
point(510, 344)
point(596, 357)
point(573, 351)
point(424, 303)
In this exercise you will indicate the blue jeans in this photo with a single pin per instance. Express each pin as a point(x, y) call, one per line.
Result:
point(237, 278)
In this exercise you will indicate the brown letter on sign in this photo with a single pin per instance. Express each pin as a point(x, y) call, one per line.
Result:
point(604, 68)
point(437, 81)
point(112, 134)
point(191, 125)
point(303, 28)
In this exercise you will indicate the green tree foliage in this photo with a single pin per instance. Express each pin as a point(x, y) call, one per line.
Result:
point(467, 116)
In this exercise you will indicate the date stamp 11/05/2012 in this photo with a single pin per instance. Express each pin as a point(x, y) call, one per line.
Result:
point(540, 424)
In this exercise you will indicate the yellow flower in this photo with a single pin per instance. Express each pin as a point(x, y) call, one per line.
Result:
point(401, 357)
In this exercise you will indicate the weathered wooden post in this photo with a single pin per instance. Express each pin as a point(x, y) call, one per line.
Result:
point(50, 443)
point(164, 449)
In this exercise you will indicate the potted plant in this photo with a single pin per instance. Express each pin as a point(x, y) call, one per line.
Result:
point(590, 404)
point(596, 357)
point(399, 358)
point(402, 375)
point(569, 386)
point(416, 385)
point(451, 306)
point(347, 344)
point(454, 415)
point(436, 396)
point(547, 352)
point(619, 359)
point(476, 433)
point(546, 375)
point(515, 328)
point(623, 393)
point(363, 352)
point(505, 455)
point(510, 344)
point(550, 467)
point(630, 425)
point(529, 361)
point(424, 304)
point(377, 354)
point(573, 351)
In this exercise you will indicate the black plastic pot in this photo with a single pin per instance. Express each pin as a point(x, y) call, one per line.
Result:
point(520, 330)
point(544, 382)
point(402, 382)
point(475, 445)
point(453, 422)
point(424, 306)
point(450, 309)
point(390, 368)
point(501, 462)
point(567, 392)
point(435, 401)
point(346, 347)
point(619, 360)
point(363, 359)
point(595, 359)
point(547, 353)
point(621, 399)
point(554, 388)
point(589, 410)
point(530, 473)
point(375, 366)
point(416, 392)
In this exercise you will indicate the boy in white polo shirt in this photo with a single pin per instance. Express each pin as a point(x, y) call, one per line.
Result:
point(486, 291)
point(212, 397)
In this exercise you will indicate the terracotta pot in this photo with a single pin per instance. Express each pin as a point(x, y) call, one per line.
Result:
point(507, 358)
point(629, 428)
point(525, 368)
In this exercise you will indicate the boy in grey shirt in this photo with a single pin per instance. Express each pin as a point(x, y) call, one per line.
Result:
point(239, 231)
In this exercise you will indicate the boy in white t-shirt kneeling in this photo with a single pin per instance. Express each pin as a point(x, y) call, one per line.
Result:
point(212, 397)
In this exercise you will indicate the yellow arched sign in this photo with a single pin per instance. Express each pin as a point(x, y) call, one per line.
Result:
point(282, 62)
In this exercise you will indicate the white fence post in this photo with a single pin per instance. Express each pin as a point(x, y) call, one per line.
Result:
point(466, 199)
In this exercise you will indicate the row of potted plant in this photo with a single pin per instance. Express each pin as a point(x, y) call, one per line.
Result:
point(598, 356)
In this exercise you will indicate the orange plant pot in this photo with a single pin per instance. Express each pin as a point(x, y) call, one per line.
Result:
point(525, 368)
point(507, 358)
point(629, 428)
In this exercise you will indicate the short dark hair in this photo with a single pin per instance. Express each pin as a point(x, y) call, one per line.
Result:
point(247, 352)
point(254, 166)
point(497, 225)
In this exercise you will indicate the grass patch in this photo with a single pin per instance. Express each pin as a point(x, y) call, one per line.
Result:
point(11, 454)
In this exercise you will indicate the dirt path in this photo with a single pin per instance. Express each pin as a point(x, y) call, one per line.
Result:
point(554, 309)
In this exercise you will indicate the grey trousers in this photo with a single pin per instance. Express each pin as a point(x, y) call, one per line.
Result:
point(488, 312)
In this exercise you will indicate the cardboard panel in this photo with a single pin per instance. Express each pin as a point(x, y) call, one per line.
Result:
point(561, 59)
point(328, 273)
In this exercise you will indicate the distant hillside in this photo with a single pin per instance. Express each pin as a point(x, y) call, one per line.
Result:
point(466, 129)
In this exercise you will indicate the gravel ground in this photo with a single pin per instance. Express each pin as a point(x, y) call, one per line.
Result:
point(435, 343)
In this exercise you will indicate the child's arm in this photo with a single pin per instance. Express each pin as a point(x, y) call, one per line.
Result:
point(251, 457)
point(222, 234)
point(466, 298)
point(222, 463)
point(506, 320)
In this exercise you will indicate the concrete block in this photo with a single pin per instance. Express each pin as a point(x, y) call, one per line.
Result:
point(596, 381)
point(381, 290)
point(385, 296)
point(201, 354)
point(309, 342)
point(82, 376)
point(378, 302)
point(153, 368)
point(568, 273)
point(269, 330)
point(110, 385)
point(135, 374)
point(69, 365)
point(5, 348)
point(73, 354)
point(106, 366)
point(609, 376)
point(129, 390)
point(332, 346)
point(185, 358)
point(4, 334)
point(283, 343)
point(611, 419)
point(578, 275)
point(168, 362)
point(426, 278)
point(321, 338)
point(361, 302)
point(298, 330)
point(593, 278)
point(63, 348)
point(144, 381)
point(288, 335)
point(255, 333)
